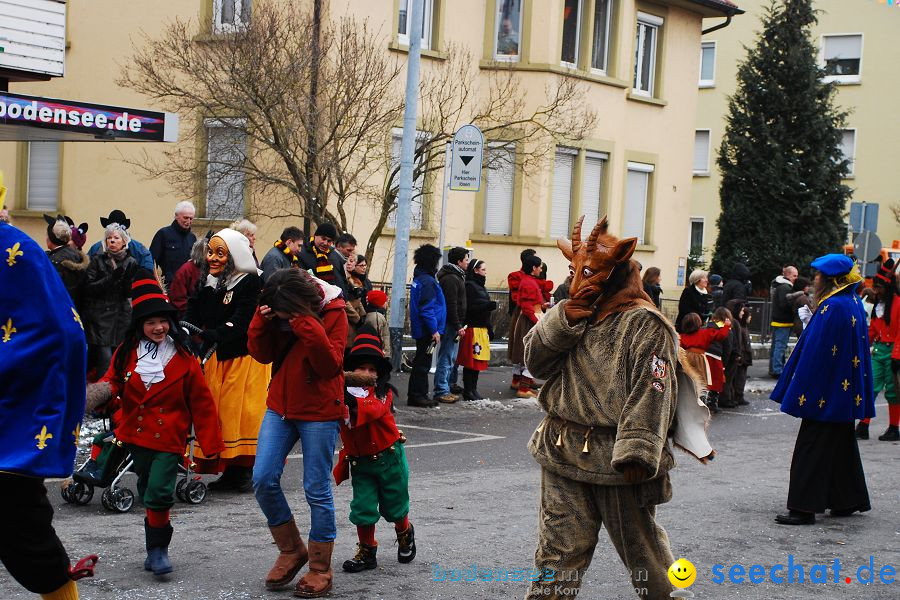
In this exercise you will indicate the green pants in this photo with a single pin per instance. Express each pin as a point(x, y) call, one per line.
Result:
point(882, 375)
point(380, 486)
point(157, 472)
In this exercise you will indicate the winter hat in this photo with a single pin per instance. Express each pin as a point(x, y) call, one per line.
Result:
point(886, 272)
point(148, 297)
point(79, 235)
point(376, 298)
point(327, 230)
point(715, 280)
point(366, 348)
point(116, 216)
point(239, 249)
point(59, 230)
point(833, 265)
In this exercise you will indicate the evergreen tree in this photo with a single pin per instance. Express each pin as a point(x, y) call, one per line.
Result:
point(781, 193)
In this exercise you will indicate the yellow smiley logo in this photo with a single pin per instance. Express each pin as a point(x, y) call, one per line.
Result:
point(682, 573)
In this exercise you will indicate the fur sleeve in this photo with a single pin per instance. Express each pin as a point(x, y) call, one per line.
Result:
point(98, 394)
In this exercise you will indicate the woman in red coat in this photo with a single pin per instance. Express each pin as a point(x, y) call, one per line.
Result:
point(160, 390)
point(300, 327)
point(530, 301)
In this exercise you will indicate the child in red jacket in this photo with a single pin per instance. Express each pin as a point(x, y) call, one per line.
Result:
point(697, 342)
point(160, 390)
point(373, 455)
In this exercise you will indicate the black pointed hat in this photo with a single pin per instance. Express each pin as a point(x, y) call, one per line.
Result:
point(367, 348)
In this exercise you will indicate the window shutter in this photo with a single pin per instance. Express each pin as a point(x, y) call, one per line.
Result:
point(848, 147)
point(499, 192)
point(843, 46)
point(43, 176)
point(701, 151)
point(591, 190)
point(225, 179)
point(636, 205)
point(707, 62)
point(561, 203)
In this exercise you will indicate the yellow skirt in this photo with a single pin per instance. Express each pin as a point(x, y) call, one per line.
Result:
point(239, 387)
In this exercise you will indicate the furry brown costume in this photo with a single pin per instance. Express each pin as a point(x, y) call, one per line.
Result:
point(609, 358)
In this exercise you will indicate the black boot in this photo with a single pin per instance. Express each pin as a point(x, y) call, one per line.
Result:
point(862, 431)
point(891, 434)
point(158, 539)
point(712, 401)
point(224, 482)
point(243, 479)
point(364, 559)
point(406, 545)
point(475, 386)
point(470, 379)
point(796, 518)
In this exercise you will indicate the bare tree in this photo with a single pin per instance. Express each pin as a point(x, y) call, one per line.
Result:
point(311, 97)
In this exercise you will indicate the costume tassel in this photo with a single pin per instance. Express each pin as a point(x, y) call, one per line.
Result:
point(585, 450)
point(559, 441)
point(540, 427)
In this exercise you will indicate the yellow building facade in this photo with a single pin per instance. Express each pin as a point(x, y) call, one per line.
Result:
point(857, 46)
point(636, 58)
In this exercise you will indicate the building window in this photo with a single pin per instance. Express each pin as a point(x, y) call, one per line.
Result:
point(561, 202)
point(226, 153)
point(417, 203)
point(43, 176)
point(230, 15)
point(842, 57)
point(498, 204)
point(701, 152)
point(571, 32)
point(508, 30)
point(696, 235)
point(592, 188)
point(848, 149)
point(637, 189)
point(707, 64)
point(646, 40)
point(600, 41)
point(403, 22)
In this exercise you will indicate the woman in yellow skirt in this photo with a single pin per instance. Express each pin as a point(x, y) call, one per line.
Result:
point(475, 347)
point(220, 314)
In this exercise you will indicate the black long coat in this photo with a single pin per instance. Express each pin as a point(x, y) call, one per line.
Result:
point(228, 313)
point(107, 299)
point(692, 301)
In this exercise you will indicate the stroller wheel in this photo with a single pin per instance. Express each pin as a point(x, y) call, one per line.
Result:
point(179, 490)
point(195, 492)
point(65, 492)
point(81, 493)
point(119, 500)
point(106, 499)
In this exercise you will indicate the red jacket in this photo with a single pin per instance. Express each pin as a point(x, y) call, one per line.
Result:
point(512, 281)
point(183, 285)
point(160, 418)
point(309, 385)
point(546, 287)
point(372, 427)
point(529, 296)
point(704, 337)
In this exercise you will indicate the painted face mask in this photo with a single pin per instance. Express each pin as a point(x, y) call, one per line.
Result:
point(216, 256)
point(595, 259)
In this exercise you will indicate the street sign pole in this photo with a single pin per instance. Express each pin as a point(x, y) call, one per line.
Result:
point(444, 192)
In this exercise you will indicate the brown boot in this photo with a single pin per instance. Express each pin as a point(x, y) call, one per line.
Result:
point(317, 582)
point(292, 557)
point(525, 390)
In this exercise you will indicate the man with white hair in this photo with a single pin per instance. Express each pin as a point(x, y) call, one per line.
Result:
point(171, 246)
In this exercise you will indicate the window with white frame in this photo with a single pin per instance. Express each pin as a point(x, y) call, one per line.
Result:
point(600, 40)
point(848, 149)
point(636, 191)
point(43, 176)
point(646, 42)
point(571, 32)
point(417, 203)
point(592, 188)
point(226, 153)
point(230, 15)
point(508, 30)
point(561, 202)
point(842, 57)
point(707, 64)
point(701, 152)
point(403, 22)
point(500, 189)
point(696, 235)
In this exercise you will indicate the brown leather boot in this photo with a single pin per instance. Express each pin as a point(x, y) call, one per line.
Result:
point(525, 390)
point(317, 582)
point(292, 557)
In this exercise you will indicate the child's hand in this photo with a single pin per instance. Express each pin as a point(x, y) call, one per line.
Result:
point(266, 312)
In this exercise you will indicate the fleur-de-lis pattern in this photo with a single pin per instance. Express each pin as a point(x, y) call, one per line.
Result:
point(42, 438)
point(8, 330)
point(13, 253)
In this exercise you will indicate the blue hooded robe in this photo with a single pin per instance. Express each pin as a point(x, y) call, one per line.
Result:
point(42, 362)
point(828, 376)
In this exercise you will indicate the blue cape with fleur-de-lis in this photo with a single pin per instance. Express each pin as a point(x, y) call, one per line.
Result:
point(42, 362)
point(828, 376)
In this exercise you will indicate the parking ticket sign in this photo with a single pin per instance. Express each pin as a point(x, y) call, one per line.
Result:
point(465, 164)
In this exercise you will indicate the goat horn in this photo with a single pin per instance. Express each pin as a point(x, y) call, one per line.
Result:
point(595, 233)
point(576, 235)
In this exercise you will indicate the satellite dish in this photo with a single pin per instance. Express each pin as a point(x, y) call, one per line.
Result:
point(867, 246)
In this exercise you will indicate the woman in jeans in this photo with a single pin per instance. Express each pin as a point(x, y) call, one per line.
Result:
point(300, 327)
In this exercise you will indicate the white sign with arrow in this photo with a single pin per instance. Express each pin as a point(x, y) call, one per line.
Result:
point(465, 165)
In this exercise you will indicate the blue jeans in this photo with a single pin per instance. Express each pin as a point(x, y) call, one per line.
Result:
point(277, 437)
point(780, 337)
point(445, 363)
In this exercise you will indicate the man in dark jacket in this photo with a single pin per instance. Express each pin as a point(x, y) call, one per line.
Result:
point(319, 257)
point(284, 254)
point(427, 319)
point(171, 246)
point(738, 285)
point(782, 318)
point(452, 278)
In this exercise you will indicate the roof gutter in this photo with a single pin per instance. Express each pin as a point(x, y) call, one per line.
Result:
point(719, 26)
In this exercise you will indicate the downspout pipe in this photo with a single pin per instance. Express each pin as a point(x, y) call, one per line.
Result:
point(719, 26)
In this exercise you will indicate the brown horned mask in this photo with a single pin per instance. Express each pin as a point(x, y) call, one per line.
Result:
point(596, 258)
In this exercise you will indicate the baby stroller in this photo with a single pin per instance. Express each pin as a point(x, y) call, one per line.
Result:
point(117, 463)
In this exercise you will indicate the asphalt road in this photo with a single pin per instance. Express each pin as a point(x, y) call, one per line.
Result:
point(475, 492)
